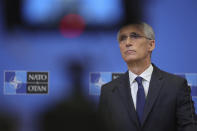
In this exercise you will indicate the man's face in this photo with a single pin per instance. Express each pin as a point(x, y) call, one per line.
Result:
point(134, 46)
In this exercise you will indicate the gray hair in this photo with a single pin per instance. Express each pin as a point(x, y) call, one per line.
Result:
point(147, 30)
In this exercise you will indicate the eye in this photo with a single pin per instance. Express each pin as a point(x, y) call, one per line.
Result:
point(123, 37)
point(134, 36)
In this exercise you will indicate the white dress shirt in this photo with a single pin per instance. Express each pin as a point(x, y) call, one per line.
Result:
point(146, 75)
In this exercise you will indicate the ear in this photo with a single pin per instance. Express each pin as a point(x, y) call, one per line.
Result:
point(151, 45)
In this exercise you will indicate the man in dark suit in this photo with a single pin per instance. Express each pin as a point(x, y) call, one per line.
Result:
point(145, 98)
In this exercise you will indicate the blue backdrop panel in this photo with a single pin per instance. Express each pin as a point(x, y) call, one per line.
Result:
point(100, 78)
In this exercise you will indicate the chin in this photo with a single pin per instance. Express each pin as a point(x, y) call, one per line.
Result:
point(129, 60)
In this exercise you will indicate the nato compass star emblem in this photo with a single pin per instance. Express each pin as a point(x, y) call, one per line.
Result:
point(15, 82)
point(97, 79)
point(100, 83)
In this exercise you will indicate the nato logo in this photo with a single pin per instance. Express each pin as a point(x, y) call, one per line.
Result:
point(97, 79)
point(23, 82)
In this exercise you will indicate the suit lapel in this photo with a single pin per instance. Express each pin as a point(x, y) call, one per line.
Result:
point(154, 89)
point(125, 94)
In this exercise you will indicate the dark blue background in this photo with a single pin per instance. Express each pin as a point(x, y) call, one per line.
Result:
point(174, 22)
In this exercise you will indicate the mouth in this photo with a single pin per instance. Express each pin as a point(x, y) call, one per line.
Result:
point(130, 52)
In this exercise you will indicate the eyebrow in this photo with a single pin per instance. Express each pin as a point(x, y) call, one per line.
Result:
point(132, 33)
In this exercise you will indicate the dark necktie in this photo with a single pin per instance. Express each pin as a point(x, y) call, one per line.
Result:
point(140, 98)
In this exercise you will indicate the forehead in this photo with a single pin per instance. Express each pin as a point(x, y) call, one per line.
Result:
point(131, 28)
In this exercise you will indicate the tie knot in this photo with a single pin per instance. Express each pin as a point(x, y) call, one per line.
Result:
point(139, 80)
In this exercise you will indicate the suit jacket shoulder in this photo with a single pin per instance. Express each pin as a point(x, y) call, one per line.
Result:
point(172, 78)
point(110, 86)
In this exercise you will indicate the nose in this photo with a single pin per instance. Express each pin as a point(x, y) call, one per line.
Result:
point(129, 42)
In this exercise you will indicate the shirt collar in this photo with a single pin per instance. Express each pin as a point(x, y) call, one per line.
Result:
point(146, 75)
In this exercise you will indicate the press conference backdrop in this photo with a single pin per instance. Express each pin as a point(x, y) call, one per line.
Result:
point(50, 51)
point(97, 79)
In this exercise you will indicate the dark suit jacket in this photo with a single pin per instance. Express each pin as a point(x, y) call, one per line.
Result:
point(168, 104)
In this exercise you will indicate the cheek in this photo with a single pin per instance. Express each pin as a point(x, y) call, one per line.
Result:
point(144, 49)
point(121, 50)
